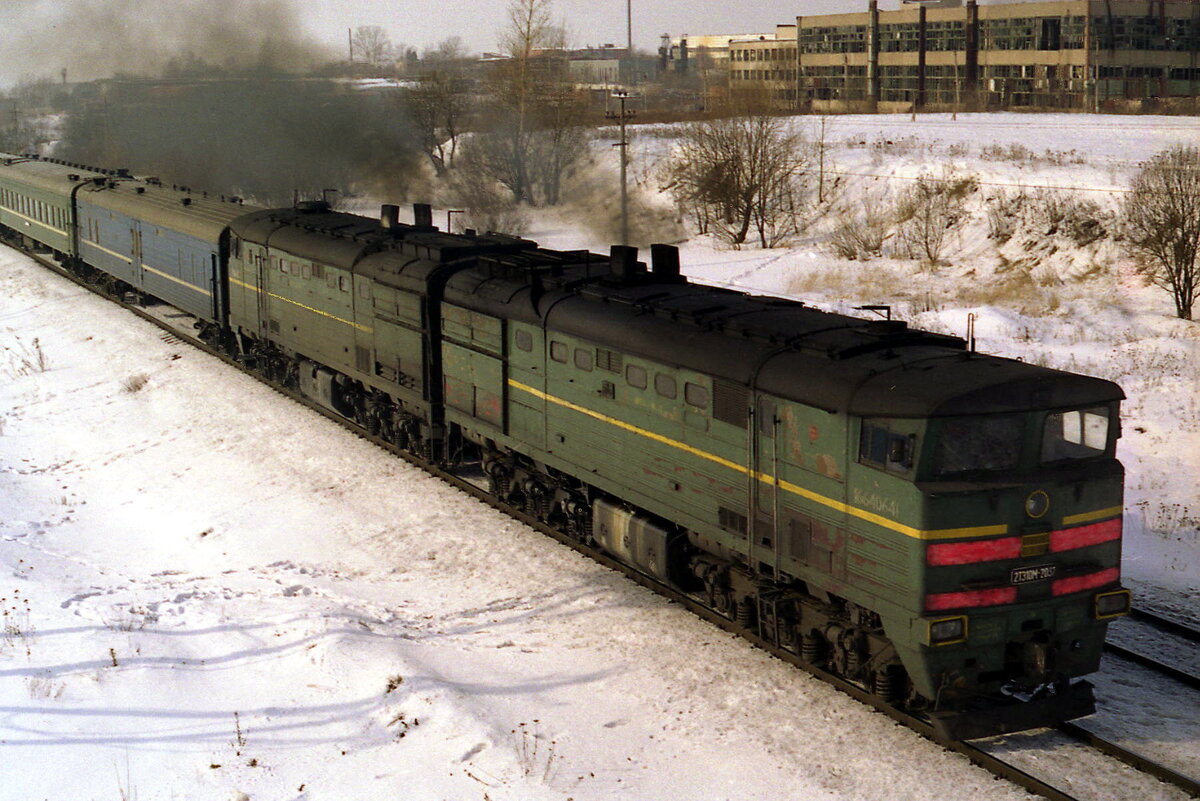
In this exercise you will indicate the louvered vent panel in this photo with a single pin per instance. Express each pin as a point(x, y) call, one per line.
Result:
point(609, 360)
point(731, 403)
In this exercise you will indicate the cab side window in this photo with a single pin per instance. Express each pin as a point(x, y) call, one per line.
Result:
point(881, 447)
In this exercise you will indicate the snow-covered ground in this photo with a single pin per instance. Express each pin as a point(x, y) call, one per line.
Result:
point(209, 592)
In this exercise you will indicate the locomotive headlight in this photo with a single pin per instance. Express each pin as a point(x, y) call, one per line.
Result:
point(946, 630)
point(1037, 504)
point(1112, 604)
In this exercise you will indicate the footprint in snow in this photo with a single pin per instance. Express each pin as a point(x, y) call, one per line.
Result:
point(78, 598)
point(475, 751)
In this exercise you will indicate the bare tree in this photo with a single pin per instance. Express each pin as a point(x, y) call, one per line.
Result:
point(1162, 216)
point(450, 50)
point(742, 173)
point(489, 206)
point(929, 211)
point(559, 140)
point(532, 133)
point(860, 235)
point(372, 45)
point(441, 103)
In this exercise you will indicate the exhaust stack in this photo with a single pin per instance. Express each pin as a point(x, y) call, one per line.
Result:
point(389, 217)
point(625, 266)
point(665, 262)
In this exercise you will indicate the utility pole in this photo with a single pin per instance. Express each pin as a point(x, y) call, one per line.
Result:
point(628, 28)
point(621, 117)
point(821, 162)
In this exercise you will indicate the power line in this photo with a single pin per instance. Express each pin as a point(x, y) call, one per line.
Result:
point(1006, 185)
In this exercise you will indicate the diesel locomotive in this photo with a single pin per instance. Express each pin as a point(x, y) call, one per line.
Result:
point(939, 526)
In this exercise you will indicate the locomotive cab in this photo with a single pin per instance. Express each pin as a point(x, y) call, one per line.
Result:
point(1004, 481)
point(1019, 604)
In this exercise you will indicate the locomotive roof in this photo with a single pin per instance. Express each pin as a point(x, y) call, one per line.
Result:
point(832, 361)
point(400, 255)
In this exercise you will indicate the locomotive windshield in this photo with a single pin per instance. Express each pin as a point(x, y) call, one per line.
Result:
point(972, 445)
point(1077, 434)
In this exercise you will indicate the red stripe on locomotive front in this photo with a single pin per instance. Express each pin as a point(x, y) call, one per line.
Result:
point(945, 554)
point(964, 553)
point(943, 601)
point(1069, 539)
point(1066, 586)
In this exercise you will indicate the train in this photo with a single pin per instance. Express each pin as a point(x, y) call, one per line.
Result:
point(938, 526)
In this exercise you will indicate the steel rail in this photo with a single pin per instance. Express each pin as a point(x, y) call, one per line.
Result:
point(1181, 676)
point(977, 756)
point(1165, 624)
point(1130, 758)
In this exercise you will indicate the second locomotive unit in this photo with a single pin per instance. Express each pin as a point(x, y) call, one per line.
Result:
point(939, 526)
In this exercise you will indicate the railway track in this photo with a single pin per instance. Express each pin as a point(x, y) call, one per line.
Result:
point(1187, 636)
point(175, 329)
point(1131, 758)
point(1190, 638)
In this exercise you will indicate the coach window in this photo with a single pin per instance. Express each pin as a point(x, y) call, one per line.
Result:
point(695, 395)
point(635, 376)
point(584, 359)
point(343, 283)
point(524, 341)
point(559, 352)
point(666, 386)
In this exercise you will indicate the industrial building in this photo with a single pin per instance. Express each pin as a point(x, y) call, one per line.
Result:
point(1071, 54)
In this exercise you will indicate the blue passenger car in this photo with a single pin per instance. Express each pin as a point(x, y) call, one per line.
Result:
point(166, 242)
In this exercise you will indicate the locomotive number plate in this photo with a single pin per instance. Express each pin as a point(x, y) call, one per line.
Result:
point(1024, 575)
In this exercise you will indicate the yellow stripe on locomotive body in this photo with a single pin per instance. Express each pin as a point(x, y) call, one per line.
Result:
point(766, 478)
point(253, 288)
point(1089, 517)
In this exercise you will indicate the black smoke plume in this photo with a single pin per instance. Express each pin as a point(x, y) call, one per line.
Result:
point(262, 139)
point(93, 39)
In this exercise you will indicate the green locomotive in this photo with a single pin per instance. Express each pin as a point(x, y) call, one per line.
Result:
point(940, 526)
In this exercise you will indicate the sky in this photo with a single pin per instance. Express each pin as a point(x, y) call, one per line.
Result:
point(588, 21)
point(93, 38)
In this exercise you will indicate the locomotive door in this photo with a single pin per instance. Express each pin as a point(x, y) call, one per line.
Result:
point(527, 370)
point(135, 254)
point(763, 500)
point(261, 262)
